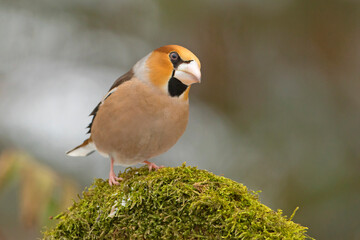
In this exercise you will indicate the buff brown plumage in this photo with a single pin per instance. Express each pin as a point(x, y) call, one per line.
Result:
point(145, 111)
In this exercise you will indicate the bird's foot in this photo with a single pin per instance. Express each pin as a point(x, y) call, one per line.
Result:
point(152, 165)
point(113, 179)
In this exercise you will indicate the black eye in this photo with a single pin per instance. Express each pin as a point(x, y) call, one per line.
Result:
point(174, 57)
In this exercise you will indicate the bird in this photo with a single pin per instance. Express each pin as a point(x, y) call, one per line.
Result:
point(145, 111)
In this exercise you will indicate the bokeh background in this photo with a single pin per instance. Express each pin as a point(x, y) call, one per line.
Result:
point(278, 108)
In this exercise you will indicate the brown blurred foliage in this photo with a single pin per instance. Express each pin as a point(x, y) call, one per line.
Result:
point(43, 192)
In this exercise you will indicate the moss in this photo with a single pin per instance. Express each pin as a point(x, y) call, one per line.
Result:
point(182, 203)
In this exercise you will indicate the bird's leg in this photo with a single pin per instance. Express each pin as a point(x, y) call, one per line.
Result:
point(113, 179)
point(152, 165)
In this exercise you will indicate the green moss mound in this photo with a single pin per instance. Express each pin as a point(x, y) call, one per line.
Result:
point(182, 203)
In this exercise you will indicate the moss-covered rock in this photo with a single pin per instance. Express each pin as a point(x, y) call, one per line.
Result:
point(182, 203)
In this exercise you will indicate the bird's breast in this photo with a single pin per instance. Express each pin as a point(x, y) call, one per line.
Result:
point(138, 122)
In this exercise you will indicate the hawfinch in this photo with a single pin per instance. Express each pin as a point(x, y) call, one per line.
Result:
point(145, 111)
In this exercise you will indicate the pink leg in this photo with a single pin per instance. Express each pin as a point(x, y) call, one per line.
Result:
point(152, 165)
point(113, 179)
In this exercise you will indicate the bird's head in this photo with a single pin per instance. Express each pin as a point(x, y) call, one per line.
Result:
point(171, 68)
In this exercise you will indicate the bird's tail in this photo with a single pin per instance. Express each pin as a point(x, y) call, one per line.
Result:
point(85, 149)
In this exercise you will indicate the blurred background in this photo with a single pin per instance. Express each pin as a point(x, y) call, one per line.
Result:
point(278, 108)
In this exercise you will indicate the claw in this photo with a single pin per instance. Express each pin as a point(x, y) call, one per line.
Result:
point(153, 165)
point(113, 180)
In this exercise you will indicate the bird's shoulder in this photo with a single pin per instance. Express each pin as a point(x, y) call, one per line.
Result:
point(124, 78)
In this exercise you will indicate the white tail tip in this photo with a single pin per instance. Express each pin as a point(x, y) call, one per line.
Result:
point(85, 149)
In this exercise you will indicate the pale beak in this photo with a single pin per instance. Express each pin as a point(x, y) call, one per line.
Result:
point(188, 73)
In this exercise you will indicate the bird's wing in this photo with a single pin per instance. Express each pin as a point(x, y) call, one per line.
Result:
point(126, 77)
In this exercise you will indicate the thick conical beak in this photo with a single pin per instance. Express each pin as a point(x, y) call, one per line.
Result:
point(188, 73)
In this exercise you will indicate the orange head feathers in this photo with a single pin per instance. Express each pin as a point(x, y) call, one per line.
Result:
point(171, 68)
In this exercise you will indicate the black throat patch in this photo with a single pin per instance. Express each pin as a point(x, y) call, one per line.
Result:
point(175, 86)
